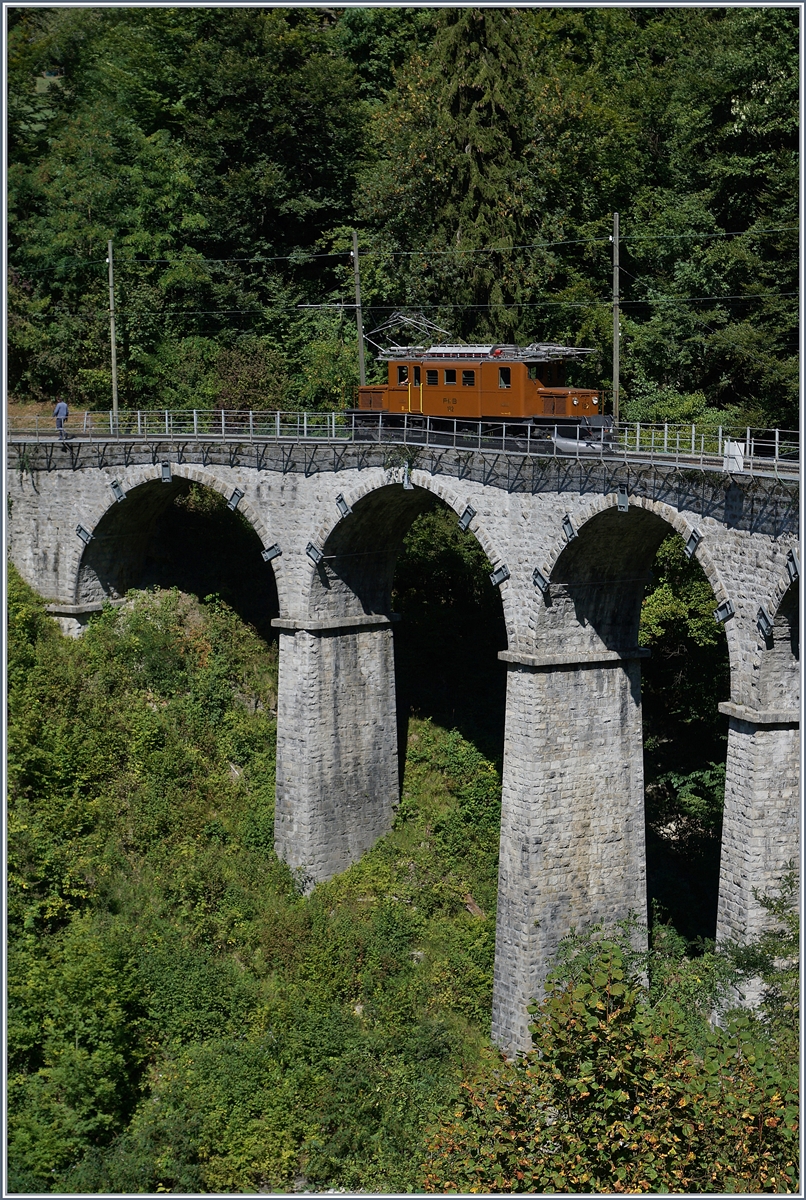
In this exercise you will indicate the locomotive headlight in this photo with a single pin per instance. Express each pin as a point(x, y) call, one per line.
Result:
point(575, 400)
point(594, 399)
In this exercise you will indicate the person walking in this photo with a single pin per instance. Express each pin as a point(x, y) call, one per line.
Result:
point(61, 413)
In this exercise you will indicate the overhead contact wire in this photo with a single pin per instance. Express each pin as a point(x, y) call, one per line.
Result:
point(302, 259)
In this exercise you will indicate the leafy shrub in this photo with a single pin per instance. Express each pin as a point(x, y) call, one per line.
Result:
point(614, 1098)
point(76, 1044)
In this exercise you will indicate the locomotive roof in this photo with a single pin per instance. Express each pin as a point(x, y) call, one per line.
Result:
point(536, 352)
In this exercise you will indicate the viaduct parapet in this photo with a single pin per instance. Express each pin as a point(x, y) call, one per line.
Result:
point(571, 543)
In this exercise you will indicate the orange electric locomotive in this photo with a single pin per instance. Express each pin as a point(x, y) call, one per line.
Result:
point(480, 383)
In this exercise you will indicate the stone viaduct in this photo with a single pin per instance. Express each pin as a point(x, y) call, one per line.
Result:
point(572, 543)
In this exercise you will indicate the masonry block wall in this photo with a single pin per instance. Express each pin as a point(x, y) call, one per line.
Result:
point(761, 824)
point(337, 775)
point(572, 840)
point(572, 821)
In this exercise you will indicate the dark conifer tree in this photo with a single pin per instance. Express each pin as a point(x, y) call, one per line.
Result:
point(454, 175)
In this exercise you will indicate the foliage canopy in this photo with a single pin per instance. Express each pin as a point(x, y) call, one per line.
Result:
point(480, 153)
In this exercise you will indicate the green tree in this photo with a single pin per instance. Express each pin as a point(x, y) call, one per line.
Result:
point(685, 739)
point(668, 117)
point(483, 152)
point(774, 958)
point(204, 143)
point(452, 173)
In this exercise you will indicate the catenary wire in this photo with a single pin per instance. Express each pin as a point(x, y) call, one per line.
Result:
point(594, 303)
point(303, 259)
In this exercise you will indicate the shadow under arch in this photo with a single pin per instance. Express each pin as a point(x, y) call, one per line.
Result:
point(357, 577)
point(179, 534)
point(601, 576)
point(779, 670)
point(356, 574)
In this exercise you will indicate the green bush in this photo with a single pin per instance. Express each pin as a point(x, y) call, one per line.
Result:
point(182, 1019)
point(616, 1098)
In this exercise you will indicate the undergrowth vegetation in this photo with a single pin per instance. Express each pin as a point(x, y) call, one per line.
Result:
point(182, 1018)
point(630, 1089)
point(685, 740)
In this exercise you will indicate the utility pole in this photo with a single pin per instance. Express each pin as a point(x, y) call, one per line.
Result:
point(615, 318)
point(112, 338)
point(361, 372)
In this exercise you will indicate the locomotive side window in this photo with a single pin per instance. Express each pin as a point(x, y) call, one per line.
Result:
point(504, 377)
point(403, 374)
point(533, 372)
point(450, 377)
point(468, 378)
point(432, 378)
point(416, 376)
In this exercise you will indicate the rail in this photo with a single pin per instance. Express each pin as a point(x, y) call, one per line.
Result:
point(725, 449)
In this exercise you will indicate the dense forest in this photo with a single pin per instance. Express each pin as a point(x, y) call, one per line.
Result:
point(182, 1018)
point(480, 154)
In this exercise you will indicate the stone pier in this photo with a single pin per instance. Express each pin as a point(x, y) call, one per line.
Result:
point(761, 822)
point(572, 821)
point(337, 770)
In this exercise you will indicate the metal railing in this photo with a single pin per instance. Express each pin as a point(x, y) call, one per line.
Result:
point(724, 449)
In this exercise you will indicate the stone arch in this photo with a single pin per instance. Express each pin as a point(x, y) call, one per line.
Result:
point(573, 840)
point(338, 736)
point(360, 550)
point(783, 585)
point(122, 531)
point(669, 514)
point(606, 539)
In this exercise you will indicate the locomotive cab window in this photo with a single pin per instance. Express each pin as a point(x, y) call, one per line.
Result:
point(533, 372)
point(416, 376)
point(504, 377)
point(432, 378)
point(403, 374)
point(450, 376)
point(468, 378)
